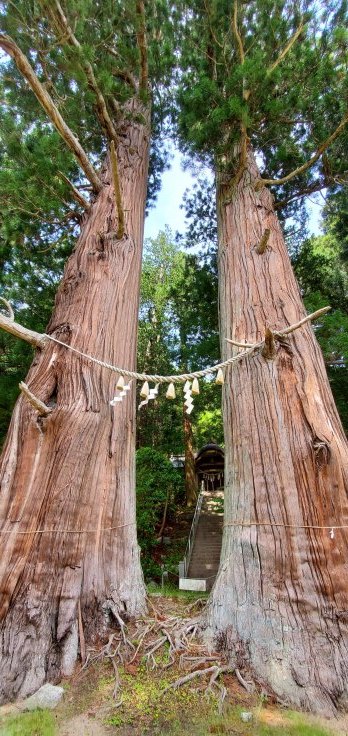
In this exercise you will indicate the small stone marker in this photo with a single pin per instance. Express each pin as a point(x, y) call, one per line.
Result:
point(246, 716)
point(47, 696)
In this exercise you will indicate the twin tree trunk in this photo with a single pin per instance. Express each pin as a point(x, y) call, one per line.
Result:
point(73, 471)
point(280, 602)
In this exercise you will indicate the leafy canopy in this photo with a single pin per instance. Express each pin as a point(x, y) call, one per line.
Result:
point(271, 71)
point(36, 201)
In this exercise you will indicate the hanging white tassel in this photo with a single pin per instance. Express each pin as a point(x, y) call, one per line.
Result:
point(127, 387)
point(189, 409)
point(170, 391)
point(188, 401)
point(144, 391)
point(195, 387)
point(187, 386)
point(332, 534)
point(220, 378)
point(120, 383)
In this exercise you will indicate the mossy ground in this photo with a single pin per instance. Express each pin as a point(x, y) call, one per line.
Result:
point(89, 709)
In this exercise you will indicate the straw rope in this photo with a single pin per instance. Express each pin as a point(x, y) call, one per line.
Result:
point(131, 523)
point(68, 531)
point(286, 526)
point(182, 377)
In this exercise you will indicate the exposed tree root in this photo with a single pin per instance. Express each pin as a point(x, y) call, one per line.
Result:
point(163, 642)
point(248, 686)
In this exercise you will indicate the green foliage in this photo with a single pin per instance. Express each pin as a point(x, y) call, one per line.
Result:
point(178, 331)
point(40, 218)
point(323, 279)
point(29, 280)
point(36, 723)
point(156, 483)
point(336, 219)
point(209, 427)
point(288, 103)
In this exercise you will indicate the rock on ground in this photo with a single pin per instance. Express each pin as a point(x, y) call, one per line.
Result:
point(47, 696)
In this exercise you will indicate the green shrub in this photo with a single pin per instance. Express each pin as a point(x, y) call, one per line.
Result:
point(156, 480)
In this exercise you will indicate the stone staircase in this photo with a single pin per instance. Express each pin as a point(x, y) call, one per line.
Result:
point(206, 548)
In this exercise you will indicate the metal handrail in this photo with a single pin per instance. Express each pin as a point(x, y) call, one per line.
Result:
point(184, 565)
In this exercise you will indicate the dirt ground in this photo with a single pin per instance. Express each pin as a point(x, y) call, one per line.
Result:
point(145, 703)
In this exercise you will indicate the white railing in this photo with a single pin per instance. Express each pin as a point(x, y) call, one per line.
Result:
point(184, 564)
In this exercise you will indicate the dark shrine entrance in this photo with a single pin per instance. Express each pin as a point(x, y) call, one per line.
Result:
point(209, 464)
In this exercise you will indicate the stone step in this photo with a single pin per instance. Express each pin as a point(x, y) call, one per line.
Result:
point(205, 557)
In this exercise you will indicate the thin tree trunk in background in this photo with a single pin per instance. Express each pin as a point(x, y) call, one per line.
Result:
point(74, 469)
point(190, 474)
point(280, 602)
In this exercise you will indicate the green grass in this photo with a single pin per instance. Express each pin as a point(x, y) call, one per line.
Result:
point(297, 726)
point(270, 723)
point(35, 723)
point(172, 591)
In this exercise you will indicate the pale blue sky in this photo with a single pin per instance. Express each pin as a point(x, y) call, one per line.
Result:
point(167, 208)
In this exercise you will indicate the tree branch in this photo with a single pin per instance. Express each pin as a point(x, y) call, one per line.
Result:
point(117, 188)
point(75, 192)
point(237, 344)
point(323, 146)
point(315, 315)
point(270, 334)
point(34, 338)
point(286, 49)
point(60, 21)
point(142, 46)
point(22, 63)
point(315, 187)
point(236, 32)
point(34, 401)
point(9, 308)
point(122, 73)
point(243, 156)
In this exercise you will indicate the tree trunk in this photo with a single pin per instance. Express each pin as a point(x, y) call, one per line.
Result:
point(280, 602)
point(190, 474)
point(72, 472)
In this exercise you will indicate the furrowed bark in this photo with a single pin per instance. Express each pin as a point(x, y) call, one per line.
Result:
point(73, 470)
point(280, 602)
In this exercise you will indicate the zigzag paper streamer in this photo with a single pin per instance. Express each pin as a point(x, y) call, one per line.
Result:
point(119, 397)
point(188, 398)
point(153, 392)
